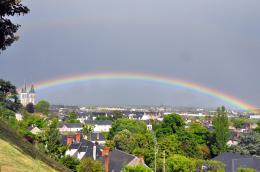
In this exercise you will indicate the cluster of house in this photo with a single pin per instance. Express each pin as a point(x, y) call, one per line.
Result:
point(114, 160)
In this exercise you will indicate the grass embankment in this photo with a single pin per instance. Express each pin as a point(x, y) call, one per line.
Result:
point(18, 155)
point(14, 160)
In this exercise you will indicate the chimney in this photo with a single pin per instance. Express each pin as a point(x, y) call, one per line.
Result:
point(77, 137)
point(97, 136)
point(141, 159)
point(105, 153)
point(69, 139)
point(94, 152)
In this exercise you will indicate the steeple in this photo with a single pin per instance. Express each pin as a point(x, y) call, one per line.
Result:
point(32, 89)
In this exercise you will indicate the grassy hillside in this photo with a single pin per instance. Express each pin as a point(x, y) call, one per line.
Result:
point(13, 159)
point(16, 154)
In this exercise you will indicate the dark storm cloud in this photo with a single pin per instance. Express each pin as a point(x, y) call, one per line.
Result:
point(214, 43)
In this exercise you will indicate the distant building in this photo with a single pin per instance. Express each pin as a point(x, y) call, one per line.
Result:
point(34, 129)
point(100, 125)
point(27, 95)
point(70, 127)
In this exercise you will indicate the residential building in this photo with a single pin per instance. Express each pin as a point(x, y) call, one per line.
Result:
point(79, 148)
point(234, 161)
point(70, 127)
point(100, 125)
point(119, 159)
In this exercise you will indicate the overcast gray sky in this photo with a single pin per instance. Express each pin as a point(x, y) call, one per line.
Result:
point(214, 43)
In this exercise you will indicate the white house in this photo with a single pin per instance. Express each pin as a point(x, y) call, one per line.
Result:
point(100, 125)
point(70, 127)
point(34, 129)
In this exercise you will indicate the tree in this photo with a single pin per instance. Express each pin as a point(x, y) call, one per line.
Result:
point(200, 133)
point(170, 144)
point(43, 107)
point(8, 116)
point(72, 118)
point(90, 165)
point(70, 162)
point(137, 168)
point(246, 170)
point(179, 163)
point(171, 124)
point(238, 122)
point(124, 141)
point(8, 94)
point(257, 129)
point(7, 28)
point(189, 144)
point(117, 115)
point(30, 108)
point(248, 144)
point(131, 125)
point(52, 141)
point(221, 132)
point(87, 130)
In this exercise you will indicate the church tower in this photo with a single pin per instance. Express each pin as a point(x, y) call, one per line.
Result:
point(27, 95)
point(32, 95)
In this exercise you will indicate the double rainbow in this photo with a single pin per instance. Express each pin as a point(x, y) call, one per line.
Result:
point(194, 87)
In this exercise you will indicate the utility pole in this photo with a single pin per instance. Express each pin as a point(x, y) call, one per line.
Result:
point(164, 161)
point(155, 150)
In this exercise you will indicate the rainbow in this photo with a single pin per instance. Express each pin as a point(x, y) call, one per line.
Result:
point(194, 87)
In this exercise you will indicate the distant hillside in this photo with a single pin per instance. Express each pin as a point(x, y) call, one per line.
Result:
point(17, 155)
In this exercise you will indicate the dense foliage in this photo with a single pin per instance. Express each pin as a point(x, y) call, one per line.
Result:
point(246, 170)
point(70, 162)
point(42, 107)
point(248, 144)
point(169, 137)
point(7, 28)
point(137, 168)
point(90, 165)
point(8, 95)
point(72, 118)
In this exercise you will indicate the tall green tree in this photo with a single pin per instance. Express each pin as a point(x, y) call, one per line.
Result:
point(7, 28)
point(52, 142)
point(221, 132)
point(43, 107)
point(8, 95)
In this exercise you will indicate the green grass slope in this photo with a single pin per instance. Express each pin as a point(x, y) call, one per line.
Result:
point(18, 155)
point(13, 159)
